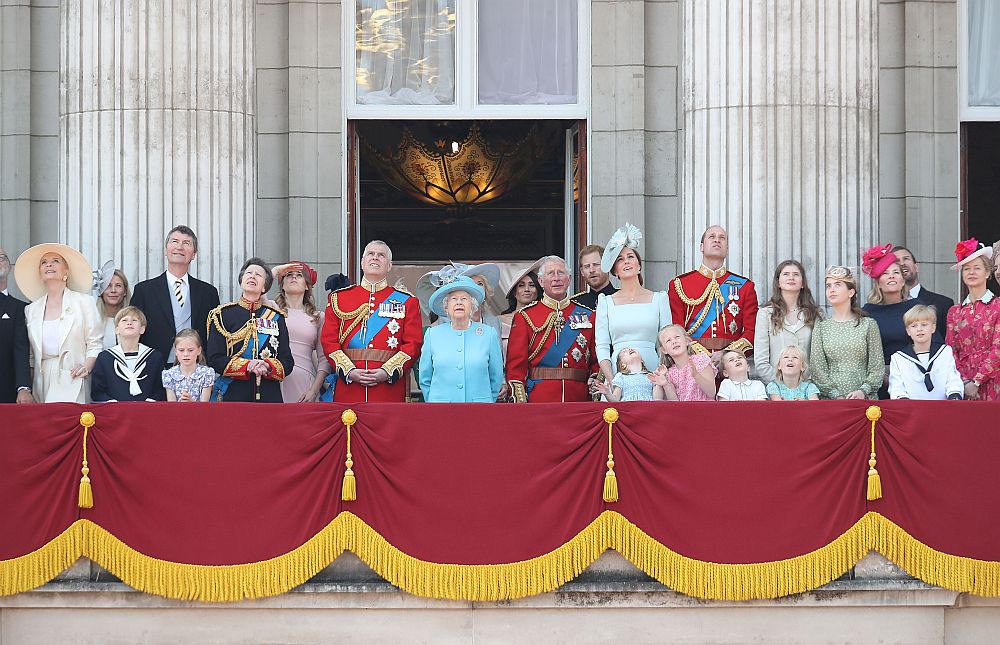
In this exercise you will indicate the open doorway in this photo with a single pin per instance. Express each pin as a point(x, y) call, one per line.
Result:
point(503, 191)
point(981, 183)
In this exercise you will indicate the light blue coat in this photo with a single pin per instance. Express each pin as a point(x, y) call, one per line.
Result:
point(459, 366)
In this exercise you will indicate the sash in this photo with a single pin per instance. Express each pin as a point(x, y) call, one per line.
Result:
point(222, 382)
point(375, 323)
point(567, 336)
point(716, 304)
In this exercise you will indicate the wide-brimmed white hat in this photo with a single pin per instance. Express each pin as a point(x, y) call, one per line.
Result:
point(29, 281)
point(449, 283)
point(968, 250)
point(627, 236)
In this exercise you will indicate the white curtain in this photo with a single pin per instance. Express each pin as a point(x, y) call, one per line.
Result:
point(527, 51)
point(984, 52)
point(405, 52)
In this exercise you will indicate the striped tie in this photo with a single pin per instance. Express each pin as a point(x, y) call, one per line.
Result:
point(177, 292)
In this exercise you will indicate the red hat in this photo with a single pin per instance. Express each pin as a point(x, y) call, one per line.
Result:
point(877, 259)
point(296, 265)
point(968, 250)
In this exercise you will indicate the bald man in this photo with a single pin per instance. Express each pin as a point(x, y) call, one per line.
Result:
point(717, 307)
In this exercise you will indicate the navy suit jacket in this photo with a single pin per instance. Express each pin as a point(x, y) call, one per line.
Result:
point(15, 366)
point(154, 298)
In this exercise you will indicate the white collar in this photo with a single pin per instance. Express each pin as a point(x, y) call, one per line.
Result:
point(745, 383)
point(915, 291)
point(985, 299)
point(171, 278)
point(5, 292)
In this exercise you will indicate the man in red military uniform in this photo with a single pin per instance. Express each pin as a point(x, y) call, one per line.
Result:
point(372, 333)
point(717, 307)
point(551, 353)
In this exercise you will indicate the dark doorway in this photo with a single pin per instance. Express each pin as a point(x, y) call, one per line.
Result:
point(981, 182)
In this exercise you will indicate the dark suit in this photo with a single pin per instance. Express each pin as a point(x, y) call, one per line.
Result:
point(941, 303)
point(155, 299)
point(15, 365)
point(588, 298)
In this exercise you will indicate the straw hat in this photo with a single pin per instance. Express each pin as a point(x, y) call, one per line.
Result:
point(29, 280)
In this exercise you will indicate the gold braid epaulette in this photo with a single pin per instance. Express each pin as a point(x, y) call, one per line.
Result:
point(241, 335)
point(357, 317)
point(545, 329)
point(711, 291)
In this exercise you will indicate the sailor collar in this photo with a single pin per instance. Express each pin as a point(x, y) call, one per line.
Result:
point(374, 287)
point(985, 299)
point(713, 274)
point(552, 303)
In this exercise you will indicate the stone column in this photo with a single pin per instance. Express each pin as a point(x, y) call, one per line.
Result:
point(781, 127)
point(157, 128)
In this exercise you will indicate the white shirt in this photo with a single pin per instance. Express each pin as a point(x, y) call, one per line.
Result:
point(730, 390)
point(182, 315)
point(50, 338)
point(915, 291)
point(4, 292)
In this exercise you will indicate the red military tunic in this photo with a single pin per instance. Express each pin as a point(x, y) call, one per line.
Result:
point(535, 374)
point(370, 326)
point(717, 308)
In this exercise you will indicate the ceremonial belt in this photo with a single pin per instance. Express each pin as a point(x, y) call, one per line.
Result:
point(375, 355)
point(715, 344)
point(558, 374)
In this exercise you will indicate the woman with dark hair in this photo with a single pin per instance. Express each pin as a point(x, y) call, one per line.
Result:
point(786, 320)
point(304, 383)
point(524, 290)
point(846, 353)
point(248, 341)
point(634, 315)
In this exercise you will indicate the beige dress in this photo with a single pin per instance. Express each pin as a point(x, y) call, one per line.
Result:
point(307, 350)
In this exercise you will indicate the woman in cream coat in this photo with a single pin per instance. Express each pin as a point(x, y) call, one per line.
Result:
point(64, 329)
point(786, 320)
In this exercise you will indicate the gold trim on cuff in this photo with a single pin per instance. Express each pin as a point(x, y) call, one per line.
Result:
point(396, 364)
point(342, 363)
point(740, 345)
point(517, 392)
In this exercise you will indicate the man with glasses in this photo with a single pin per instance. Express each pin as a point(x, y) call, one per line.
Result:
point(551, 353)
point(15, 368)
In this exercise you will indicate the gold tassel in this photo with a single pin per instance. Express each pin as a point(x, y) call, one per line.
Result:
point(349, 491)
point(874, 413)
point(86, 497)
point(610, 480)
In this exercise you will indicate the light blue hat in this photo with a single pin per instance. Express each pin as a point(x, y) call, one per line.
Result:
point(450, 281)
point(627, 236)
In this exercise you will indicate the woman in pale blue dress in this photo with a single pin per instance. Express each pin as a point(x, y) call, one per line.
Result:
point(634, 315)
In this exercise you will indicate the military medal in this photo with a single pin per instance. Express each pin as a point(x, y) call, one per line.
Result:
point(393, 326)
point(732, 327)
point(579, 322)
point(576, 354)
point(392, 342)
point(733, 308)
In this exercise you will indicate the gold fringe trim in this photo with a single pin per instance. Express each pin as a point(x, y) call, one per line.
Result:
point(495, 582)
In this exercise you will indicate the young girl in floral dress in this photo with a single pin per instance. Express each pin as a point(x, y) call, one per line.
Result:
point(684, 376)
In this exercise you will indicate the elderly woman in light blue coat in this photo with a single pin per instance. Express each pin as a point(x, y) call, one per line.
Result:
point(460, 360)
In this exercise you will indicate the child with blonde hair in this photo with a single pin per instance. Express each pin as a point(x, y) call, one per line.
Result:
point(737, 385)
point(633, 381)
point(789, 382)
point(190, 379)
point(926, 368)
point(683, 374)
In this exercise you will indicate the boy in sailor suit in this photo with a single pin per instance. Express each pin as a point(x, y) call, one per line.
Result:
point(926, 369)
point(129, 371)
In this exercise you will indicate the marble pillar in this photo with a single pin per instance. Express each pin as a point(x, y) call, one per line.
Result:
point(781, 132)
point(157, 128)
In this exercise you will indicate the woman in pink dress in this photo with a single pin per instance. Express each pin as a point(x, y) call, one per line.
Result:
point(295, 282)
point(974, 325)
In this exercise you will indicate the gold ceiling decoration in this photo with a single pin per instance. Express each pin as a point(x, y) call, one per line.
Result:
point(462, 173)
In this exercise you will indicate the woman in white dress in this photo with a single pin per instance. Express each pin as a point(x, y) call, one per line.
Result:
point(634, 315)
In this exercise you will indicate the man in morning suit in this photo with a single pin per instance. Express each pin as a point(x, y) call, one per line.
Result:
point(551, 352)
point(911, 276)
point(372, 333)
point(175, 300)
point(718, 308)
point(15, 366)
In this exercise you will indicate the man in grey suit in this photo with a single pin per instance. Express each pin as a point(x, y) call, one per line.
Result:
point(15, 365)
point(911, 276)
